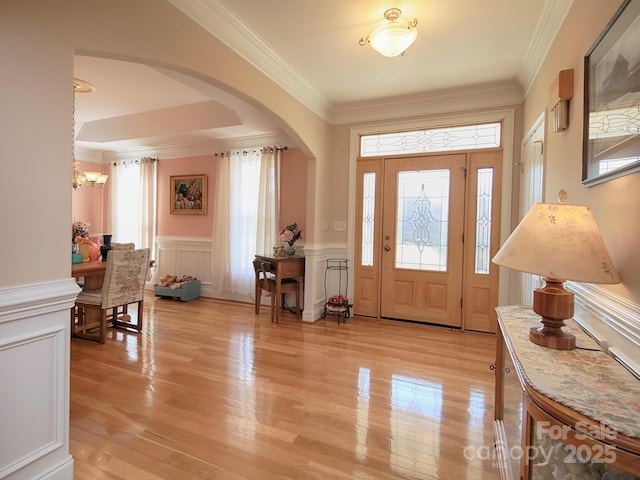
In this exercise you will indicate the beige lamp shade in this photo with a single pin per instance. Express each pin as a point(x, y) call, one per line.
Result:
point(559, 241)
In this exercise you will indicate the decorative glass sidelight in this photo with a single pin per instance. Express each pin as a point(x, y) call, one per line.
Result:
point(368, 217)
point(422, 220)
point(483, 220)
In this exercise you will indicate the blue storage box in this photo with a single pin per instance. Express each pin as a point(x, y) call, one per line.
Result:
point(188, 291)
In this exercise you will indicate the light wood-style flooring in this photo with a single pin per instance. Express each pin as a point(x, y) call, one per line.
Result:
point(209, 390)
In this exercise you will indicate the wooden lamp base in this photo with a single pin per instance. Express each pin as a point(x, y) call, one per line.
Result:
point(554, 304)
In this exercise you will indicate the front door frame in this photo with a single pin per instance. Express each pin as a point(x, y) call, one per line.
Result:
point(506, 116)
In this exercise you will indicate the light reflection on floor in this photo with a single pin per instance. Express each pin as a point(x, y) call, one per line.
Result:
point(400, 411)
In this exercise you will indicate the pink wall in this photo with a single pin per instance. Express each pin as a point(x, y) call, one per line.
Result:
point(293, 199)
point(87, 202)
point(90, 204)
point(185, 225)
point(293, 192)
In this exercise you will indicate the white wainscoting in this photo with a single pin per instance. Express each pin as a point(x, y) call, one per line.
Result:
point(184, 256)
point(34, 375)
point(613, 321)
point(192, 256)
point(314, 287)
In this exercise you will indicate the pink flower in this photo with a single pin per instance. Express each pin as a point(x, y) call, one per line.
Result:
point(290, 234)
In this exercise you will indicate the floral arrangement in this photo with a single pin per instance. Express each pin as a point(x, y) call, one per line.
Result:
point(80, 232)
point(290, 234)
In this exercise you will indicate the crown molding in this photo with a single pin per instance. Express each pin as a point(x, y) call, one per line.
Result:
point(475, 97)
point(226, 26)
point(551, 19)
point(217, 19)
point(190, 149)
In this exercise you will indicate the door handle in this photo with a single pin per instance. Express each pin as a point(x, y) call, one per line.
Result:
point(387, 248)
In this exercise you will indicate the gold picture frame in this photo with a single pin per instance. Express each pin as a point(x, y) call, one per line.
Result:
point(188, 194)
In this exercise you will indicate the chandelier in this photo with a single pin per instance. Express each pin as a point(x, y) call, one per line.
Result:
point(94, 179)
point(392, 39)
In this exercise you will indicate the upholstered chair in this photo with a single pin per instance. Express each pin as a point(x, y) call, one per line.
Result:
point(124, 281)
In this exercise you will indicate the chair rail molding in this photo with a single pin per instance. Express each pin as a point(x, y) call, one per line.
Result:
point(34, 404)
point(316, 256)
point(614, 322)
point(192, 256)
point(184, 256)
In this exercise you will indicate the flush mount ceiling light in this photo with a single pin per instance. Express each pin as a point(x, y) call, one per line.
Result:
point(393, 38)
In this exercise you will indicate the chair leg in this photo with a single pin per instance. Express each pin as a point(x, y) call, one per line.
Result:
point(74, 310)
point(258, 297)
point(103, 326)
point(282, 301)
point(298, 301)
point(273, 308)
point(140, 311)
point(120, 318)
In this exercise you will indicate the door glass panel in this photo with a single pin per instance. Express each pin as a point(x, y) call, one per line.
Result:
point(368, 217)
point(483, 220)
point(422, 220)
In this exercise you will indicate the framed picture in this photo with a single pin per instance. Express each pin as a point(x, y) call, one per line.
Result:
point(611, 137)
point(188, 194)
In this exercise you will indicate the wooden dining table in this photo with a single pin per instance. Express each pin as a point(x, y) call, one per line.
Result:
point(92, 272)
point(283, 267)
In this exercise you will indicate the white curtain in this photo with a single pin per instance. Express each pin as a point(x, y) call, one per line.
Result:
point(245, 217)
point(133, 200)
point(148, 203)
point(268, 212)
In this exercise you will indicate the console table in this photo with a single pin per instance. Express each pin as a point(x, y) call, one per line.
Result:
point(562, 414)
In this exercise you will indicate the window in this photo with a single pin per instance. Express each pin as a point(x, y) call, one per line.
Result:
point(133, 202)
point(463, 137)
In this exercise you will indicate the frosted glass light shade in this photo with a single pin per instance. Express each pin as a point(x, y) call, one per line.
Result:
point(95, 179)
point(393, 39)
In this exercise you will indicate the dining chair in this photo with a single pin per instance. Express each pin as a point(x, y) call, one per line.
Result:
point(266, 282)
point(123, 246)
point(124, 280)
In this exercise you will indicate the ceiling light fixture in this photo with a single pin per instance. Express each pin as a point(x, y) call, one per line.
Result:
point(393, 38)
point(94, 179)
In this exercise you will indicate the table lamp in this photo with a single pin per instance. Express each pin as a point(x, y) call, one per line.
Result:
point(558, 242)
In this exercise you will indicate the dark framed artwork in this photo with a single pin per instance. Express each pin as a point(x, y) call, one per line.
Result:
point(188, 194)
point(611, 137)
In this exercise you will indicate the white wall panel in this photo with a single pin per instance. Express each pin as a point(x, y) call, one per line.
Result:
point(34, 375)
point(184, 256)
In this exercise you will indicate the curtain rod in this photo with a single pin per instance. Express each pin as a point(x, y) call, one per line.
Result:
point(135, 161)
point(246, 152)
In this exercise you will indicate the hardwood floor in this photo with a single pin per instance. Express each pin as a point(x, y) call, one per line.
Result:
point(209, 390)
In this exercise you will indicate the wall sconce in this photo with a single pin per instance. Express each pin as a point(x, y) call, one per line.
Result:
point(560, 93)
